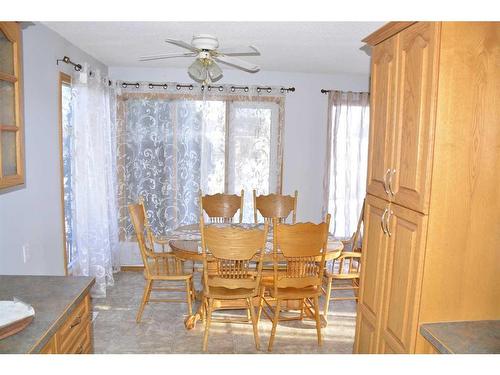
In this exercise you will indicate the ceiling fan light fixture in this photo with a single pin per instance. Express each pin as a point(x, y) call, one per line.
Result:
point(214, 71)
point(198, 71)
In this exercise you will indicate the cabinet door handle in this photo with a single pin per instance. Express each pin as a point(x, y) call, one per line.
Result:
point(387, 224)
point(385, 182)
point(382, 221)
point(390, 182)
point(77, 321)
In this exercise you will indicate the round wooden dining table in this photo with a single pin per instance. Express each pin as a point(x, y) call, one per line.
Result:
point(185, 243)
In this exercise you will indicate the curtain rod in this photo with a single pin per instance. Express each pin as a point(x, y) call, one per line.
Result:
point(78, 67)
point(67, 60)
point(325, 91)
point(233, 88)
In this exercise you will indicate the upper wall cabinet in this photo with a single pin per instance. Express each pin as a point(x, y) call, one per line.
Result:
point(11, 124)
point(403, 96)
point(410, 178)
point(382, 118)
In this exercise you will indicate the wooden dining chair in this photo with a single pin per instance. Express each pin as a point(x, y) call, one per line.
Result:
point(275, 206)
point(221, 208)
point(232, 266)
point(346, 268)
point(159, 267)
point(354, 243)
point(302, 247)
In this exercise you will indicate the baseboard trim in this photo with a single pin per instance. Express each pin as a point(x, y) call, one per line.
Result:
point(132, 268)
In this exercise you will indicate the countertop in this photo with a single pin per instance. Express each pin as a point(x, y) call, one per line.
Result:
point(467, 337)
point(52, 297)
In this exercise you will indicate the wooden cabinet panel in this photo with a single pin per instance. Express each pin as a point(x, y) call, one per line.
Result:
point(372, 274)
point(366, 337)
point(50, 347)
point(403, 279)
point(414, 133)
point(382, 112)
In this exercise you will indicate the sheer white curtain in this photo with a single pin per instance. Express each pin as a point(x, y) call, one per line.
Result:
point(253, 154)
point(347, 157)
point(94, 180)
point(171, 145)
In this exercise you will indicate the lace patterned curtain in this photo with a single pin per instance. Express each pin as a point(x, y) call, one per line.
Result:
point(347, 157)
point(172, 145)
point(93, 164)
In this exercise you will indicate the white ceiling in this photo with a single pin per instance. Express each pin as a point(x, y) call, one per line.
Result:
point(310, 47)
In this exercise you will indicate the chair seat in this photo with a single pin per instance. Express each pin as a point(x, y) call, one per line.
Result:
point(226, 293)
point(296, 293)
point(332, 270)
point(267, 281)
point(159, 272)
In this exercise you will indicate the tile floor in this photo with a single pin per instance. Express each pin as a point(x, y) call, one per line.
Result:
point(162, 327)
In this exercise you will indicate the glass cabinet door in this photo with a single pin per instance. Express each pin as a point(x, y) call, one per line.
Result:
point(11, 163)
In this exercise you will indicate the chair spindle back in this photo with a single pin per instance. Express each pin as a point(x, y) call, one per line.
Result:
point(229, 255)
point(301, 248)
point(221, 208)
point(275, 206)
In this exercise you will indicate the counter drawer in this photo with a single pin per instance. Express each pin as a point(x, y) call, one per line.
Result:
point(82, 344)
point(74, 326)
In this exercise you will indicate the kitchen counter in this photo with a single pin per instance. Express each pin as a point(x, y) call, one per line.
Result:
point(53, 297)
point(468, 337)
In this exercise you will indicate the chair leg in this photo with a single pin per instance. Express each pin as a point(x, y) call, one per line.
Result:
point(203, 310)
point(145, 299)
point(327, 299)
point(275, 323)
point(355, 287)
point(254, 323)
point(261, 303)
point(188, 297)
point(318, 322)
point(207, 324)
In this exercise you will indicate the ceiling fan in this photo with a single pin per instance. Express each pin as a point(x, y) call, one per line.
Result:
point(205, 48)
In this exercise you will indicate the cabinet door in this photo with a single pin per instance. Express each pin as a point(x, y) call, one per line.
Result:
point(372, 276)
point(414, 136)
point(382, 112)
point(11, 145)
point(403, 279)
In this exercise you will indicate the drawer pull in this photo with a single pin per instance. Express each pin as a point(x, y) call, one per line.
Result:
point(77, 321)
point(383, 222)
point(388, 217)
point(385, 182)
point(391, 175)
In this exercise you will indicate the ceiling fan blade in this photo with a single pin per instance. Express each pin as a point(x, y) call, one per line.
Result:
point(237, 63)
point(240, 51)
point(167, 56)
point(182, 44)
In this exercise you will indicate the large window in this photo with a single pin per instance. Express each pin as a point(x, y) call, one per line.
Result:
point(348, 156)
point(170, 148)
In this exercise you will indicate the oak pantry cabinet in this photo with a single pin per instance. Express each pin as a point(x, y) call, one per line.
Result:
point(431, 249)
